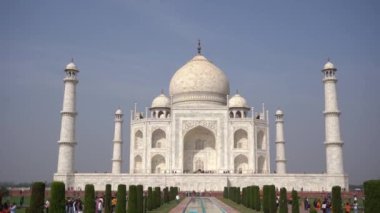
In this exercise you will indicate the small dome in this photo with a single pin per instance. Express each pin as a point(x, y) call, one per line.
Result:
point(279, 112)
point(328, 66)
point(161, 101)
point(71, 66)
point(118, 112)
point(237, 101)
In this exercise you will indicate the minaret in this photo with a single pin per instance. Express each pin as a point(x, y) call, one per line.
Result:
point(280, 143)
point(67, 140)
point(333, 142)
point(117, 143)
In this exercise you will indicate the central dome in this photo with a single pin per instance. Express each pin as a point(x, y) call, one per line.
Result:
point(199, 81)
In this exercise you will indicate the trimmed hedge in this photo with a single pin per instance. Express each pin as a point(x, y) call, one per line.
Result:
point(266, 198)
point(295, 202)
point(121, 198)
point(283, 201)
point(150, 199)
point(57, 200)
point(157, 197)
point(336, 199)
point(89, 198)
point(108, 199)
point(372, 195)
point(257, 202)
point(225, 192)
point(272, 199)
point(132, 199)
point(140, 198)
point(37, 199)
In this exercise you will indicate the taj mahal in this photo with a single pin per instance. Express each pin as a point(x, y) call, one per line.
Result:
point(201, 137)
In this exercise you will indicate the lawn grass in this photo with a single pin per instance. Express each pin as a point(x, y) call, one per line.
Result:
point(166, 207)
point(236, 206)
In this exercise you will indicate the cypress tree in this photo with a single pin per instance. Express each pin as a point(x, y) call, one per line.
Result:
point(37, 199)
point(372, 195)
point(336, 199)
point(251, 196)
point(132, 199)
point(283, 201)
point(257, 198)
point(89, 198)
point(225, 192)
point(266, 198)
point(295, 203)
point(121, 198)
point(57, 194)
point(272, 199)
point(150, 199)
point(140, 198)
point(238, 196)
point(157, 197)
point(243, 196)
point(107, 199)
point(171, 193)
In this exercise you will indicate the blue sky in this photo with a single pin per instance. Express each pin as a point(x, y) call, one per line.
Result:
point(127, 51)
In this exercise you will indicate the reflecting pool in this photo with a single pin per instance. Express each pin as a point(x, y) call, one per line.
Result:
point(203, 205)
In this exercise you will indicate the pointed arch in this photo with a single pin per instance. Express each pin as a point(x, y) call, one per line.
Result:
point(158, 164)
point(158, 139)
point(261, 145)
point(199, 148)
point(238, 114)
point(138, 140)
point(138, 164)
point(261, 165)
point(240, 139)
point(241, 164)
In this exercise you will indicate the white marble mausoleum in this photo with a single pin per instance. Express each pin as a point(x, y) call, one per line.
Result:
point(200, 137)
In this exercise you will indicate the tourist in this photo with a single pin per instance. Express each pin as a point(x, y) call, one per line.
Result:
point(306, 203)
point(47, 205)
point(347, 208)
point(99, 206)
point(13, 208)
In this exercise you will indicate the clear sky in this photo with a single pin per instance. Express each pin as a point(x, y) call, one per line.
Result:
point(127, 51)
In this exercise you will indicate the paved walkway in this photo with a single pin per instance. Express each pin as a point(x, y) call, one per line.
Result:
point(182, 206)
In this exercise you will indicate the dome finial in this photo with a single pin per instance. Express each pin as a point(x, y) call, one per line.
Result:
point(237, 91)
point(162, 91)
point(199, 47)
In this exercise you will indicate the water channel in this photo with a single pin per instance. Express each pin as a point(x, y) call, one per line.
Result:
point(203, 205)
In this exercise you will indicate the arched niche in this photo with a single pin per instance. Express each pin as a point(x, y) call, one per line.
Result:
point(241, 164)
point(158, 164)
point(240, 139)
point(138, 164)
point(138, 140)
point(261, 145)
point(261, 164)
point(158, 139)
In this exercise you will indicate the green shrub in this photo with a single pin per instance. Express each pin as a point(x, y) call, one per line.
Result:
point(121, 198)
point(372, 195)
point(257, 202)
point(89, 198)
point(336, 199)
point(272, 199)
point(295, 202)
point(132, 199)
point(238, 195)
point(150, 199)
point(157, 197)
point(37, 199)
point(313, 210)
point(140, 198)
point(57, 197)
point(225, 192)
point(266, 198)
point(108, 199)
point(283, 201)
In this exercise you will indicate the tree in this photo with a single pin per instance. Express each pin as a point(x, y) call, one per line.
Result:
point(150, 199)
point(372, 195)
point(225, 192)
point(257, 202)
point(336, 199)
point(132, 199)
point(121, 198)
point(238, 196)
point(37, 199)
point(272, 199)
point(57, 197)
point(89, 198)
point(157, 197)
point(140, 197)
point(295, 203)
point(107, 199)
point(266, 198)
point(283, 201)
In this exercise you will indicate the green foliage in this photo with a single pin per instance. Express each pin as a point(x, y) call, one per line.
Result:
point(57, 197)
point(372, 195)
point(266, 198)
point(157, 197)
point(108, 199)
point(313, 210)
point(37, 199)
point(295, 202)
point(166, 195)
point(238, 196)
point(140, 197)
point(257, 202)
point(132, 199)
point(283, 201)
point(150, 199)
point(89, 198)
point(272, 199)
point(336, 199)
point(121, 198)
point(225, 192)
